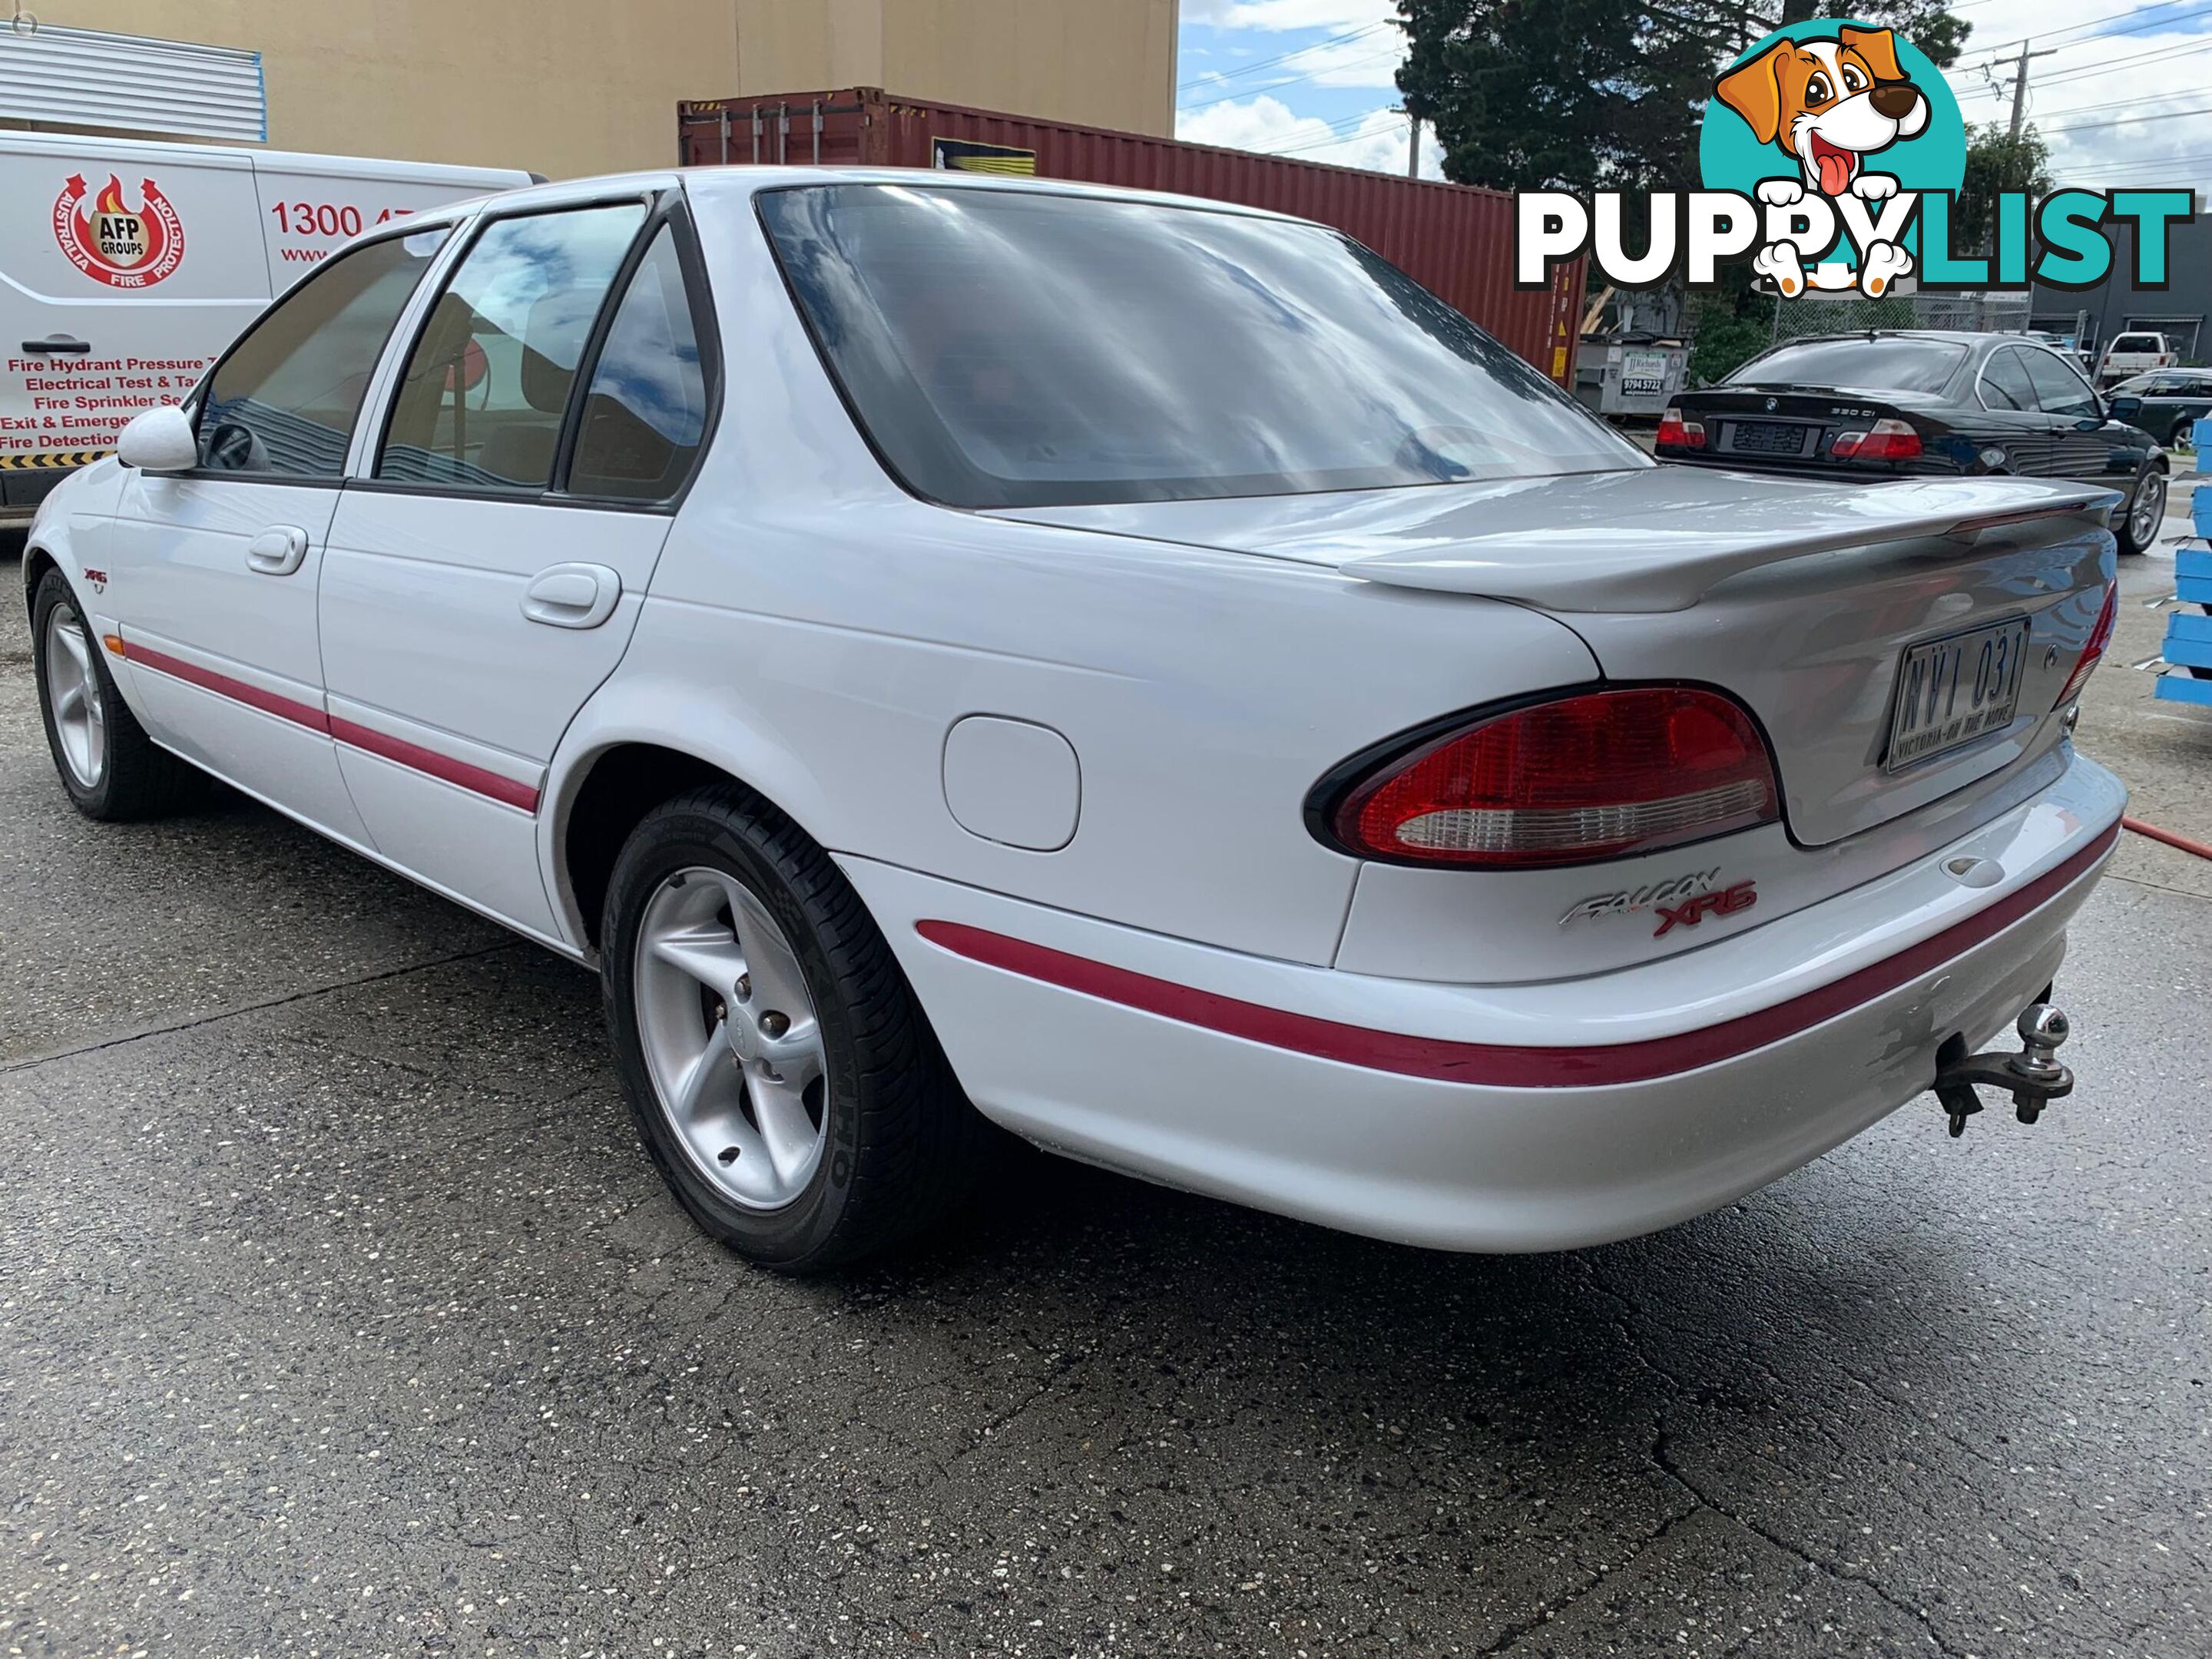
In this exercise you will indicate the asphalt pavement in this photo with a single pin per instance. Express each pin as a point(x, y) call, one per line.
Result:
point(340, 1313)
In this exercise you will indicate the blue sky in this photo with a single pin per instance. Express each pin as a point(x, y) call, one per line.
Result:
point(2124, 99)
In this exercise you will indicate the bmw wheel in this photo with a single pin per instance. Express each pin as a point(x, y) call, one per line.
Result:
point(2145, 512)
point(778, 1069)
point(112, 769)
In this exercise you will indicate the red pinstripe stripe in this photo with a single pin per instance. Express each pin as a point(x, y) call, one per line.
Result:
point(268, 702)
point(413, 755)
point(1499, 1065)
point(417, 758)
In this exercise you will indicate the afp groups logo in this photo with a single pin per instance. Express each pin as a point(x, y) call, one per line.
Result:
point(114, 243)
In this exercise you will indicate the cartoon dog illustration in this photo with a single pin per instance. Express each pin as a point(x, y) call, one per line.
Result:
point(1829, 104)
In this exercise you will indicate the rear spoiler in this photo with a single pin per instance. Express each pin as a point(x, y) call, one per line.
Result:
point(1647, 568)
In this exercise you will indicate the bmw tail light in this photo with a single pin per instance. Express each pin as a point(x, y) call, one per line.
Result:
point(1676, 433)
point(1884, 440)
point(2100, 636)
point(1600, 774)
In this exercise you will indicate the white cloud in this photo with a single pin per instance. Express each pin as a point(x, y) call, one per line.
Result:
point(1377, 142)
point(2122, 122)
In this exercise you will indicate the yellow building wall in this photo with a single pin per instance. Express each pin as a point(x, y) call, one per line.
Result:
point(1103, 63)
point(572, 86)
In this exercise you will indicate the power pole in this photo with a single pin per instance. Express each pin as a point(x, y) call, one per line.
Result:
point(2020, 83)
point(1413, 151)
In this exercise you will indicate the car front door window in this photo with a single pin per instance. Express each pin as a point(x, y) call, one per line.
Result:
point(282, 404)
point(2058, 389)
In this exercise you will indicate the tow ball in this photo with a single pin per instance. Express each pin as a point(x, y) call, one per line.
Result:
point(2033, 1077)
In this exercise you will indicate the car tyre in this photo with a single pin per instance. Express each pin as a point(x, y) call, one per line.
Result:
point(731, 944)
point(2144, 512)
point(113, 772)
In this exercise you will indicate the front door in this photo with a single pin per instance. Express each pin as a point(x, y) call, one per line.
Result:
point(485, 581)
point(2085, 446)
point(212, 572)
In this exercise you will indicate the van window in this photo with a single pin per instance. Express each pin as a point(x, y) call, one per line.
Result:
point(485, 389)
point(283, 402)
point(647, 408)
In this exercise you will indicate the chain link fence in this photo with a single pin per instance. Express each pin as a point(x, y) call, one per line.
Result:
point(1979, 313)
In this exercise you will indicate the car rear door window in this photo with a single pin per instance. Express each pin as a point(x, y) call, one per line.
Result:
point(2058, 389)
point(646, 410)
point(2005, 384)
point(282, 404)
point(486, 387)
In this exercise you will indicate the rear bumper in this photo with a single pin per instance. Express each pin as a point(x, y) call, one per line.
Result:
point(1511, 1117)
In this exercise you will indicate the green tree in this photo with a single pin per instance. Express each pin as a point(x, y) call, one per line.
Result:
point(1996, 161)
point(1584, 94)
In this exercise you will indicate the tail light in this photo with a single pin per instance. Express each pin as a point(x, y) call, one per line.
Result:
point(2100, 636)
point(1676, 433)
point(1884, 440)
point(1596, 775)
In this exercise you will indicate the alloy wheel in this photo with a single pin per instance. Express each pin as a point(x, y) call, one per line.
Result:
point(73, 694)
point(2147, 509)
point(731, 1038)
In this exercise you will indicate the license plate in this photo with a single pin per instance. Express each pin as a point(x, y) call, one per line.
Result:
point(1769, 438)
point(1951, 691)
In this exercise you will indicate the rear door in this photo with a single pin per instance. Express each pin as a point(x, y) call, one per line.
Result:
point(212, 572)
point(124, 270)
point(484, 578)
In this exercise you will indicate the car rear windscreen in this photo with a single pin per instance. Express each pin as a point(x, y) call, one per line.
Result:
point(1016, 349)
point(1876, 365)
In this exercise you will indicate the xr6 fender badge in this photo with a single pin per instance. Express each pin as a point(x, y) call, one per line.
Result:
point(1689, 914)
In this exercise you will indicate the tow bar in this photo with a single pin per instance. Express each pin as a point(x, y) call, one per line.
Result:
point(2033, 1077)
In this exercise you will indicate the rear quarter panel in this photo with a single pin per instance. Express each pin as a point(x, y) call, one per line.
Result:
point(816, 632)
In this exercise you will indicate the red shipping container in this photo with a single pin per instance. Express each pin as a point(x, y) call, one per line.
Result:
point(1454, 240)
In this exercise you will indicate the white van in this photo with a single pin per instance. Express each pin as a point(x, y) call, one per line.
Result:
point(126, 267)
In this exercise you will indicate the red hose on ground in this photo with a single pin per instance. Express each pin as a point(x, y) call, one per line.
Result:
point(2168, 837)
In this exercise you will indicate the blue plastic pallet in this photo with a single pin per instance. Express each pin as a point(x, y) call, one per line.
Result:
point(2192, 569)
point(2188, 637)
point(2200, 435)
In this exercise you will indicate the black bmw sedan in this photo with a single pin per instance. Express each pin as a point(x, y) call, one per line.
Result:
point(1910, 402)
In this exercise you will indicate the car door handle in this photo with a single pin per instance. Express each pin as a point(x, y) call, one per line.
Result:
point(278, 551)
point(61, 346)
point(572, 596)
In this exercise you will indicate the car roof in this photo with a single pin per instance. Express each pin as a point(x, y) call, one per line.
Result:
point(744, 180)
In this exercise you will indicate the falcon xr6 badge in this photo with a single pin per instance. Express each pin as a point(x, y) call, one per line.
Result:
point(1680, 901)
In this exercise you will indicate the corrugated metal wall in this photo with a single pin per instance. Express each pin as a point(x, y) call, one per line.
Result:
point(89, 78)
point(1454, 240)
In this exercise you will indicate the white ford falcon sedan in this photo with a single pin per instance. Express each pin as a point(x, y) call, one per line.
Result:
point(1140, 673)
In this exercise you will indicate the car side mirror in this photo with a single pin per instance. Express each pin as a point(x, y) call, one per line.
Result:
point(2125, 409)
point(159, 440)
